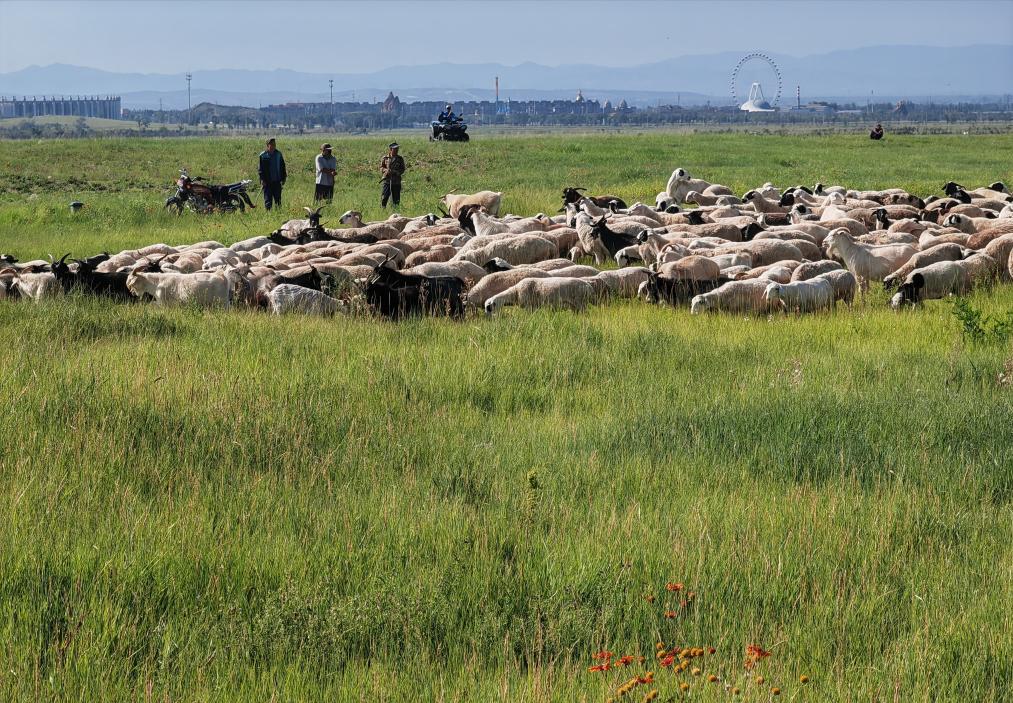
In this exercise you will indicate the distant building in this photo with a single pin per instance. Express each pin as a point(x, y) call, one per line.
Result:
point(107, 107)
point(391, 104)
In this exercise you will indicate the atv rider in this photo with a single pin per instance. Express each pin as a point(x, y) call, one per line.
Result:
point(447, 116)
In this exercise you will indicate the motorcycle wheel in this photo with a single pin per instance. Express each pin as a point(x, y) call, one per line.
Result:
point(236, 203)
point(174, 205)
point(465, 137)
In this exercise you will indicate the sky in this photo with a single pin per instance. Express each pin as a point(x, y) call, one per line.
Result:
point(169, 36)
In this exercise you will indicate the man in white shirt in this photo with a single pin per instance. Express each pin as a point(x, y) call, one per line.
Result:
point(327, 167)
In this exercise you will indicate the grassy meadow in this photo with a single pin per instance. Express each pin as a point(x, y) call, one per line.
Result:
point(227, 506)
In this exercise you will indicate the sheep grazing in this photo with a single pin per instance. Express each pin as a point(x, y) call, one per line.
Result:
point(287, 298)
point(488, 200)
point(734, 296)
point(624, 283)
point(204, 289)
point(844, 284)
point(926, 257)
point(800, 296)
point(944, 278)
point(568, 293)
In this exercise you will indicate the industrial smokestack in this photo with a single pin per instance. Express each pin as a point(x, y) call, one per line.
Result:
point(497, 89)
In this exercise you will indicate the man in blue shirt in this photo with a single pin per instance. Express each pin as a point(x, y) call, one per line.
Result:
point(448, 114)
point(272, 174)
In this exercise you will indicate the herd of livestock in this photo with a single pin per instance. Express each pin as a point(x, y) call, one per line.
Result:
point(798, 249)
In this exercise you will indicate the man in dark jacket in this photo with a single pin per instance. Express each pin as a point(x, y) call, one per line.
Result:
point(272, 174)
point(391, 169)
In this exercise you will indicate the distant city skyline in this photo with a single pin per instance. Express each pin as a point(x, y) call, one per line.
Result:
point(349, 37)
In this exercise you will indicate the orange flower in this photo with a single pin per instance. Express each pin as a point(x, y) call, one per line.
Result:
point(649, 599)
point(756, 651)
point(670, 614)
point(673, 586)
point(625, 661)
point(736, 691)
point(667, 661)
point(603, 655)
point(712, 678)
point(711, 650)
point(600, 667)
point(803, 679)
point(759, 680)
point(775, 691)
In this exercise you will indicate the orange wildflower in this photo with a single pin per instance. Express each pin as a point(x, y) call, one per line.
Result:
point(670, 614)
point(775, 691)
point(625, 661)
point(803, 679)
point(756, 651)
point(603, 655)
point(649, 599)
point(684, 686)
point(667, 661)
point(600, 667)
point(673, 586)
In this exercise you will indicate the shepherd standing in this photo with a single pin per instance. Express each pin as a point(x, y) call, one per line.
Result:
point(272, 174)
point(327, 168)
point(392, 167)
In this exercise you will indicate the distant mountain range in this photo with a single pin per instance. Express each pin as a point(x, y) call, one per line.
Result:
point(882, 73)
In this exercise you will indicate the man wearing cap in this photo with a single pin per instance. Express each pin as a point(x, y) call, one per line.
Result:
point(327, 168)
point(447, 115)
point(272, 174)
point(391, 169)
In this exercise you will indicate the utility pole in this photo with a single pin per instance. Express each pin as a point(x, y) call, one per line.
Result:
point(189, 109)
point(330, 82)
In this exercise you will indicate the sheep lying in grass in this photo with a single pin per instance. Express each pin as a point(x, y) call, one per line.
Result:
point(515, 248)
point(569, 293)
point(734, 296)
point(800, 296)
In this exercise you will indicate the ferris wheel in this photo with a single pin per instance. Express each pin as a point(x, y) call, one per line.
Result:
point(750, 75)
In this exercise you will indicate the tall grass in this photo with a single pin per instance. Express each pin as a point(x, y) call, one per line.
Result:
point(229, 506)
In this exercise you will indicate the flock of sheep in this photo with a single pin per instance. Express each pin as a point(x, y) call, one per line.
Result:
point(798, 250)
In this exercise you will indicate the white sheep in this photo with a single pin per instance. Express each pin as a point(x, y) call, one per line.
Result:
point(35, 286)
point(570, 293)
point(499, 281)
point(802, 296)
point(625, 282)
point(286, 298)
point(944, 278)
point(843, 283)
point(867, 262)
point(204, 288)
point(734, 296)
point(515, 248)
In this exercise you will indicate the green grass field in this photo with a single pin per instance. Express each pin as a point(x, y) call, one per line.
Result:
point(233, 507)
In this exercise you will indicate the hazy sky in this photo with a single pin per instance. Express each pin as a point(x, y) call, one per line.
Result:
point(169, 36)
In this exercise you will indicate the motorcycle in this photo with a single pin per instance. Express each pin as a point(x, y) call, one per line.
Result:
point(455, 131)
point(204, 198)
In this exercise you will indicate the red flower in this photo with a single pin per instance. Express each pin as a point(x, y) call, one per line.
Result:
point(756, 651)
point(667, 661)
point(600, 667)
point(603, 655)
point(625, 661)
point(670, 614)
point(673, 586)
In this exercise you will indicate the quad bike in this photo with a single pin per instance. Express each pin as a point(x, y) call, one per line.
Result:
point(204, 198)
point(455, 131)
